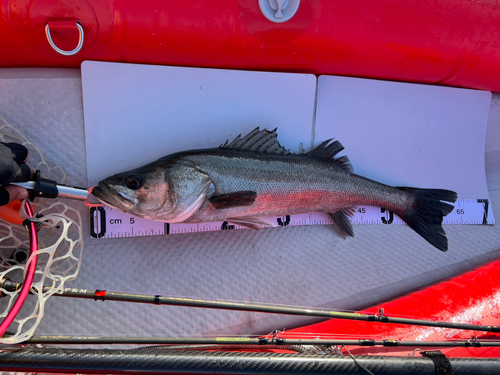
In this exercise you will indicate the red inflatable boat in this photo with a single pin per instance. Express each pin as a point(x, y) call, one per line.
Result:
point(449, 42)
point(473, 298)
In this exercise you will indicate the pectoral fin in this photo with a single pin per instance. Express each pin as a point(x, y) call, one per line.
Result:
point(342, 223)
point(252, 222)
point(236, 199)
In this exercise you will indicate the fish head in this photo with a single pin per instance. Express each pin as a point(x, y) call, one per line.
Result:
point(166, 190)
point(140, 192)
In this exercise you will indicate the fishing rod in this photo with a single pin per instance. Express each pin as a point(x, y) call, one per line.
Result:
point(257, 342)
point(103, 295)
point(154, 361)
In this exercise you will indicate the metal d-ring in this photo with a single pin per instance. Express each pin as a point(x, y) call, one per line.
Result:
point(62, 52)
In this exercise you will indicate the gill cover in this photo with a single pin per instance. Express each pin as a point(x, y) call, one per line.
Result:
point(188, 188)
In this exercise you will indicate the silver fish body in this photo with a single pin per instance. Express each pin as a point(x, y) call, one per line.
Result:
point(286, 185)
point(254, 177)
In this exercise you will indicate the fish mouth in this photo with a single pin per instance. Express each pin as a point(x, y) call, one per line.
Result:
point(113, 198)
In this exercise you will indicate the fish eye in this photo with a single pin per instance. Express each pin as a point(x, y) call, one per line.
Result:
point(133, 182)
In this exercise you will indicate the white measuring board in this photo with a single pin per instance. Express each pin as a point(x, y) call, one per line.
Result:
point(399, 134)
point(408, 134)
point(135, 114)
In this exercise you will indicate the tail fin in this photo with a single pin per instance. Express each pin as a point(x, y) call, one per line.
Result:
point(426, 211)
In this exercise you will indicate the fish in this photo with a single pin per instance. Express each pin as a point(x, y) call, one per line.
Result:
point(254, 177)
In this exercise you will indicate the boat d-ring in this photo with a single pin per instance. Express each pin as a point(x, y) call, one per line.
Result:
point(62, 52)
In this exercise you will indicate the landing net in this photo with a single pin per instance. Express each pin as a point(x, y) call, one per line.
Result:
point(60, 246)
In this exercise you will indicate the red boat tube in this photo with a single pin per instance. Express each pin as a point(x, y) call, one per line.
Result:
point(449, 42)
point(473, 298)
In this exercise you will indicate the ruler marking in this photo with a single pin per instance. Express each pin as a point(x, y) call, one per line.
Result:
point(117, 224)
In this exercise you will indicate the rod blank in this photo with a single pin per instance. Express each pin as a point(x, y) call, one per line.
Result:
point(168, 362)
point(104, 295)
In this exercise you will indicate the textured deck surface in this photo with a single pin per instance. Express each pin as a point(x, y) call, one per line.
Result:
point(308, 266)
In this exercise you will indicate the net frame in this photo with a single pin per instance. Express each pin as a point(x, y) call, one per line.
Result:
point(60, 246)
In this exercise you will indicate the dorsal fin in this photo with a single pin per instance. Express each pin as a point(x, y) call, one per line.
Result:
point(328, 149)
point(258, 140)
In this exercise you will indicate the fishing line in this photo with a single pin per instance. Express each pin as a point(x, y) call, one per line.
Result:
point(104, 295)
point(356, 362)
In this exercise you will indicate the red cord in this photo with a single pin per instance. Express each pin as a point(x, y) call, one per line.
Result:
point(29, 277)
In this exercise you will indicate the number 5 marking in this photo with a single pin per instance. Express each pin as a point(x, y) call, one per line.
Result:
point(388, 218)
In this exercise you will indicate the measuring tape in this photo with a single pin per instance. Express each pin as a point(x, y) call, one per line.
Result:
point(107, 222)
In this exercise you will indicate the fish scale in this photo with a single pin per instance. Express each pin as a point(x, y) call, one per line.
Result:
point(287, 185)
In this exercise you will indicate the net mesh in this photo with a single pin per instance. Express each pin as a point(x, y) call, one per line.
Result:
point(60, 246)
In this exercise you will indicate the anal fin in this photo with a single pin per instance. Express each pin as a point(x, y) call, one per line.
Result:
point(342, 223)
point(236, 199)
